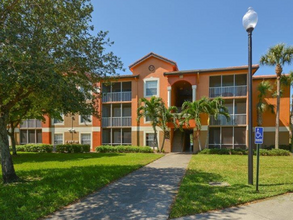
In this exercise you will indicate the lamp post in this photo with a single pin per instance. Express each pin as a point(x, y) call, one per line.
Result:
point(249, 22)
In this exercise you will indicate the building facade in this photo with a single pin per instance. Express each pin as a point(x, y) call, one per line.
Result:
point(154, 75)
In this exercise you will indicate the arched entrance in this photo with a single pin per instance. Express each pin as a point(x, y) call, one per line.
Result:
point(181, 92)
point(182, 140)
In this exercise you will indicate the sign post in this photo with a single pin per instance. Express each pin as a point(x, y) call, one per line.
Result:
point(258, 140)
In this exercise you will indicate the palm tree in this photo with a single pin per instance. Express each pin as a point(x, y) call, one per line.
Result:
point(278, 56)
point(193, 111)
point(217, 108)
point(263, 89)
point(151, 109)
point(167, 115)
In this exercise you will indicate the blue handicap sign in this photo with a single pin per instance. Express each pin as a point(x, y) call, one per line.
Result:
point(258, 135)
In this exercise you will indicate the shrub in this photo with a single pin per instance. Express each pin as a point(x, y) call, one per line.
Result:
point(73, 148)
point(123, 149)
point(262, 152)
point(283, 147)
point(40, 148)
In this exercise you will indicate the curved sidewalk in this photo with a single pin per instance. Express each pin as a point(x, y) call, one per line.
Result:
point(146, 193)
point(276, 208)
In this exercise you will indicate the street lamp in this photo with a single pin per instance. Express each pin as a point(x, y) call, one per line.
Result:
point(249, 22)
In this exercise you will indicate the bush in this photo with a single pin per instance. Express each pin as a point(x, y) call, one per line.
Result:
point(262, 152)
point(283, 147)
point(73, 148)
point(40, 148)
point(123, 149)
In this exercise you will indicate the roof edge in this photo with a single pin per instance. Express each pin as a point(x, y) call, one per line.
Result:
point(152, 54)
point(255, 66)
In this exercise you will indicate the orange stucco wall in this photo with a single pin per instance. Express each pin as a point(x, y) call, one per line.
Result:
point(144, 73)
point(46, 137)
point(269, 119)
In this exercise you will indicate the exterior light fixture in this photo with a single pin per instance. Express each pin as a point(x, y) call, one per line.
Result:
point(249, 22)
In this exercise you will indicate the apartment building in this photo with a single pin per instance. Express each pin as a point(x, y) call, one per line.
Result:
point(154, 75)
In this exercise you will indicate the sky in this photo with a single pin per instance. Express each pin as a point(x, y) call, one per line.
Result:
point(196, 34)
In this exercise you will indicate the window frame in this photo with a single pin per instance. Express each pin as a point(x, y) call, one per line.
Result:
point(144, 87)
point(59, 123)
point(86, 122)
point(150, 132)
point(81, 133)
point(58, 134)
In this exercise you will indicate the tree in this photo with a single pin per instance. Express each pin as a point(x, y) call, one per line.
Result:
point(217, 108)
point(193, 111)
point(278, 56)
point(47, 52)
point(263, 89)
point(151, 109)
point(167, 115)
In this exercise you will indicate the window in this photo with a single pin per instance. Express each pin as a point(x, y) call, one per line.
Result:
point(58, 121)
point(215, 81)
point(30, 136)
point(240, 106)
point(58, 138)
point(227, 137)
point(84, 119)
point(85, 139)
point(214, 138)
point(116, 136)
point(151, 88)
point(150, 139)
point(126, 136)
point(106, 136)
point(23, 136)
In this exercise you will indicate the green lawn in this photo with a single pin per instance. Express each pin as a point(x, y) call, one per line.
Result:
point(55, 180)
point(197, 196)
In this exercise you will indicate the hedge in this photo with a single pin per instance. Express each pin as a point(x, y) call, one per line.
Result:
point(283, 147)
point(262, 152)
point(123, 149)
point(72, 148)
point(40, 148)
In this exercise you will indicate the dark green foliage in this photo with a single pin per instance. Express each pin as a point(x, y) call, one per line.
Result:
point(39, 148)
point(73, 148)
point(284, 147)
point(124, 149)
point(262, 152)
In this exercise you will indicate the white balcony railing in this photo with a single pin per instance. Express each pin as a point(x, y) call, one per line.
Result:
point(116, 121)
point(31, 123)
point(116, 97)
point(236, 119)
point(228, 91)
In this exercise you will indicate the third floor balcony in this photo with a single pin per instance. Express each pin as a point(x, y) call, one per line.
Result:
point(228, 91)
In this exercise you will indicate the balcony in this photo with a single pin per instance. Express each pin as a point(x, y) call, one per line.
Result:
point(228, 91)
point(116, 121)
point(31, 123)
point(237, 119)
point(116, 97)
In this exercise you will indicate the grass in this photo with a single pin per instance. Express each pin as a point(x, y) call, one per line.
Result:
point(197, 196)
point(55, 180)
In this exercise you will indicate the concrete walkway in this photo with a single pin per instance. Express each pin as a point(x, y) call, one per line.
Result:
point(144, 194)
point(276, 208)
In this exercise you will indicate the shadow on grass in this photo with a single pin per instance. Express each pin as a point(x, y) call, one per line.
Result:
point(58, 157)
point(197, 196)
point(148, 192)
point(43, 191)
